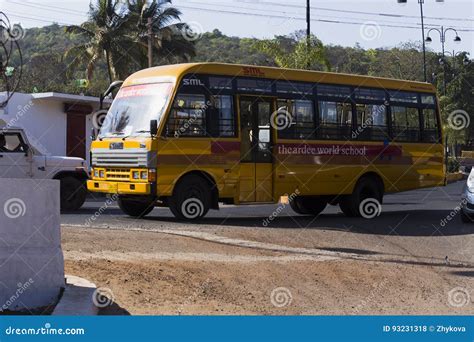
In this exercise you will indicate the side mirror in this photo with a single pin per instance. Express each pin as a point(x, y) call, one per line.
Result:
point(27, 150)
point(153, 127)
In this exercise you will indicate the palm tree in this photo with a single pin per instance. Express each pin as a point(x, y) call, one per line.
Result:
point(115, 33)
point(170, 40)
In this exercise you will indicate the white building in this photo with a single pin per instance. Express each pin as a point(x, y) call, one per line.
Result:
point(56, 123)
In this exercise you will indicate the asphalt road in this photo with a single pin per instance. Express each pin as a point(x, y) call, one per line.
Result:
point(422, 224)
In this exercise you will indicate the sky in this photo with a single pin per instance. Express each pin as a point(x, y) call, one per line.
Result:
point(371, 23)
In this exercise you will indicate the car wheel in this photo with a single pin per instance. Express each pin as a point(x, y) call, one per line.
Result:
point(135, 207)
point(191, 198)
point(72, 193)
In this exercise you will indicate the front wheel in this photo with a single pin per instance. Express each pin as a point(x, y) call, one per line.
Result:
point(191, 198)
point(72, 193)
point(135, 207)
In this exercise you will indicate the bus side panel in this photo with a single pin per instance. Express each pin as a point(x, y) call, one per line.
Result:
point(178, 156)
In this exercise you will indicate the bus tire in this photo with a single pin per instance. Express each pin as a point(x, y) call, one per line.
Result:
point(308, 205)
point(365, 201)
point(135, 207)
point(191, 198)
point(72, 193)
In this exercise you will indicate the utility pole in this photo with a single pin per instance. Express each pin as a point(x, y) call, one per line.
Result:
point(423, 37)
point(150, 35)
point(308, 28)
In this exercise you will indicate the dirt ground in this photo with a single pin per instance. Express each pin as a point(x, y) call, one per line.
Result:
point(164, 274)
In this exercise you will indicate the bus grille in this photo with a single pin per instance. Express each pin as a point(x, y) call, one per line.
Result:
point(120, 158)
point(117, 174)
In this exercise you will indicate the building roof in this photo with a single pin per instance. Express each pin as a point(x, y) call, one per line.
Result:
point(62, 97)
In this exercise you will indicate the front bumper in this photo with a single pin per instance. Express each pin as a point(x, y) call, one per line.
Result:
point(126, 188)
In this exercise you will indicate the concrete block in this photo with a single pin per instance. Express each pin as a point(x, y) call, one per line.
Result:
point(31, 258)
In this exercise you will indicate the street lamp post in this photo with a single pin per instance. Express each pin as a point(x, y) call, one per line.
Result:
point(442, 35)
point(421, 2)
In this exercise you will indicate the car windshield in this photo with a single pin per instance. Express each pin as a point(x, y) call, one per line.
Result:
point(134, 107)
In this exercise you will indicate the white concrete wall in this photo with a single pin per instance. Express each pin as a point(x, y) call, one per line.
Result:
point(31, 258)
point(44, 121)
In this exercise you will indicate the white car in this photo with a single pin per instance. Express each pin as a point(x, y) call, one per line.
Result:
point(19, 159)
point(467, 199)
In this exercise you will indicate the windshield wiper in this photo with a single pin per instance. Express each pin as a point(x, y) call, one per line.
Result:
point(143, 131)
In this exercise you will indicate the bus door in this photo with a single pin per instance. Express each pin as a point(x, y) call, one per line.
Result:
point(256, 166)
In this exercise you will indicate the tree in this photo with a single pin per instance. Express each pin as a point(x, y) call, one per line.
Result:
point(172, 40)
point(296, 52)
point(116, 33)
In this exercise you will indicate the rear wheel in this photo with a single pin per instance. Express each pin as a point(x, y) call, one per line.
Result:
point(365, 201)
point(191, 198)
point(135, 207)
point(308, 205)
point(72, 193)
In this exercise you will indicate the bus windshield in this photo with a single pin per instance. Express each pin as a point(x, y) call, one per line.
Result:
point(134, 107)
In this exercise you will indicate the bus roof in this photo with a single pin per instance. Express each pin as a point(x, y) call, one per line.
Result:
point(224, 69)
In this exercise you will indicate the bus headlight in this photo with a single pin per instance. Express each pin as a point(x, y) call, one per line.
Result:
point(101, 174)
point(96, 173)
point(136, 174)
point(144, 175)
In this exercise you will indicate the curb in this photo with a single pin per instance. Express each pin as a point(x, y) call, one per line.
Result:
point(77, 298)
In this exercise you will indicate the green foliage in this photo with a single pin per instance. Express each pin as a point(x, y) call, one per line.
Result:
point(300, 53)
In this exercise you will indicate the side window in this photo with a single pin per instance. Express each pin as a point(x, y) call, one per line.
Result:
point(335, 120)
point(187, 116)
point(302, 123)
point(405, 124)
point(11, 143)
point(372, 122)
point(430, 129)
point(221, 116)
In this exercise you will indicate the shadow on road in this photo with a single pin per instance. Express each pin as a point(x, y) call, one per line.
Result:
point(403, 223)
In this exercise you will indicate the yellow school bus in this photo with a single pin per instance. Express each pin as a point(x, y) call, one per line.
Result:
point(192, 136)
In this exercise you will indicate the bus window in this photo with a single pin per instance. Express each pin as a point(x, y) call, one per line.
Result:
point(302, 123)
point(216, 82)
point(335, 120)
point(225, 116)
point(403, 96)
point(372, 122)
point(430, 129)
point(187, 116)
point(405, 124)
